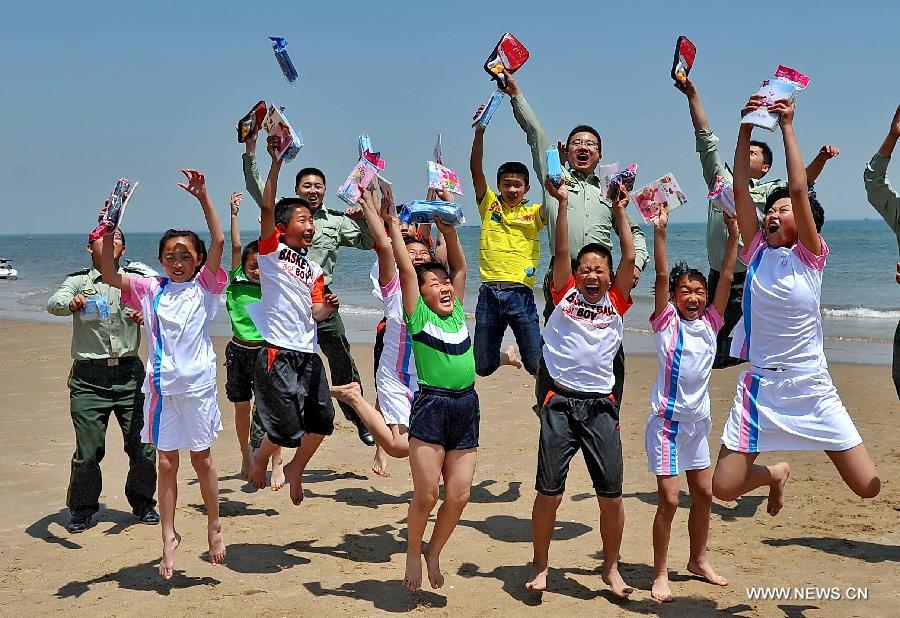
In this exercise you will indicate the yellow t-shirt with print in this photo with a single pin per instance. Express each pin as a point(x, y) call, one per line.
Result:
point(510, 240)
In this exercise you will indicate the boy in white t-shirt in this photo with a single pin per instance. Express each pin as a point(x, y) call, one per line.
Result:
point(785, 400)
point(581, 339)
point(685, 329)
point(290, 384)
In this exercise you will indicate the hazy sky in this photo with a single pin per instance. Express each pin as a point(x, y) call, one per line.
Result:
point(98, 90)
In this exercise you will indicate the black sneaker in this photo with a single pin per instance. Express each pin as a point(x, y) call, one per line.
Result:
point(365, 435)
point(149, 516)
point(78, 523)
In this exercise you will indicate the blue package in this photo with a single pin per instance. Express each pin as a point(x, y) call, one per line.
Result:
point(554, 167)
point(489, 108)
point(95, 309)
point(365, 143)
point(424, 211)
point(279, 46)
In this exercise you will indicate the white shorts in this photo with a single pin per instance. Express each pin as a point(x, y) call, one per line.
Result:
point(674, 447)
point(788, 410)
point(173, 422)
point(395, 395)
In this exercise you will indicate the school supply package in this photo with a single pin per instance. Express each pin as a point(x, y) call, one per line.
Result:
point(685, 52)
point(290, 142)
point(508, 54)
point(279, 47)
point(484, 118)
point(722, 195)
point(663, 195)
point(114, 209)
point(440, 177)
point(425, 211)
point(785, 85)
point(252, 122)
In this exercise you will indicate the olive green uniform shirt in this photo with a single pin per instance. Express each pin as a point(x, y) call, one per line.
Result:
point(881, 194)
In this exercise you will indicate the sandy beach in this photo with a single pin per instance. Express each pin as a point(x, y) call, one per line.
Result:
point(342, 550)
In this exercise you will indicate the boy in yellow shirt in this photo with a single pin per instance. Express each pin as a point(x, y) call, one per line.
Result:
point(508, 258)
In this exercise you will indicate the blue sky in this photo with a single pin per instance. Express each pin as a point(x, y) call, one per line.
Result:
point(98, 90)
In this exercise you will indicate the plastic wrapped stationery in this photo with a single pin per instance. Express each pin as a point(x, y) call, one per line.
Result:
point(438, 150)
point(279, 46)
point(785, 85)
point(362, 174)
point(489, 108)
point(554, 167)
point(685, 52)
point(722, 195)
point(621, 181)
point(114, 209)
point(424, 211)
point(96, 308)
point(290, 142)
point(663, 195)
point(252, 122)
point(440, 177)
point(508, 54)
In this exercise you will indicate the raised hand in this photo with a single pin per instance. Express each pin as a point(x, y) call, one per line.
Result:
point(559, 193)
point(895, 123)
point(754, 103)
point(196, 184)
point(784, 108)
point(273, 147)
point(478, 127)
point(731, 223)
point(236, 199)
point(828, 151)
point(512, 88)
point(660, 222)
point(687, 86)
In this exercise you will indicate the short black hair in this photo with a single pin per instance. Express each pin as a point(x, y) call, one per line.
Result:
point(680, 270)
point(285, 207)
point(585, 128)
point(513, 167)
point(818, 212)
point(251, 248)
point(594, 247)
point(199, 245)
point(766, 151)
point(309, 171)
point(427, 267)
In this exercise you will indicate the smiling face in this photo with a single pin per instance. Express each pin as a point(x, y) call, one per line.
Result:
point(513, 188)
point(437, 291)
point(779, 225)
point(180, 258)
point(690, 297)
point(298, 232)
point(251, 267)
point(583, 152)
point(418, 253)
point(593, 276)
point(311, 187)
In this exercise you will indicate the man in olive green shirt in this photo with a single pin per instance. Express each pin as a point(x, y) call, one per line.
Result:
point(333, 230)
point(716, 231)
point(886, 201)
point(105, 379)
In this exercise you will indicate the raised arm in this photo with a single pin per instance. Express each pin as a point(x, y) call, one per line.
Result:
point(476, 162)
point(251, 170)
point(695, 105)
point(235, 230)
point(815, 167)
point(744, 207)
point(661, 262)
point(881, 195)
point(196, 186)
point(267, 205)
point(562, 261)
point(456, 259)
point(720, 301)
point(640, 244)
point(387, 268)
point(534, 134)
point(625, 272)
point(409, 281)
point(707, 142)
point(797, 180)
point(108, 270)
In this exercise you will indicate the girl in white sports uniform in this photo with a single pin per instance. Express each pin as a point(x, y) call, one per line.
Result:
point(180, 410)
point(685, 329)
point(785, 400)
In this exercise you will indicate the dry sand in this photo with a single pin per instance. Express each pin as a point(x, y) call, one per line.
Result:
point(342, 550)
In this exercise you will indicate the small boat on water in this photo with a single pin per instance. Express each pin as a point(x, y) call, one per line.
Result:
point(6, 270)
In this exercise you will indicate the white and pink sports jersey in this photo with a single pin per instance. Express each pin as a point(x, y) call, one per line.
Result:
point(176, 317)
point(686, 350)
point(290, 284)
point(581, 339)
point(397, 354)
point(781, 326)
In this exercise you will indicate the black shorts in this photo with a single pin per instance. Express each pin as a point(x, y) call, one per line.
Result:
point(379, 343)
point(586, 421)
point(448, 418)
point(292, 395)
point(240, 365)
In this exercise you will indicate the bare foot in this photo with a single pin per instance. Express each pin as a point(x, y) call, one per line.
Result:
point(379, 464)
point(781, 472)
point(167, 564)
point(511, 357)
point(245, 464)
point(216, 544)
point(413, 577)
point(294, 476)
point(277, 474)
point(537, 581)
point(613, 579)
point(702, 568)
point(256, 474)
point(433, 563)
point(346, 392)
point(660, 589)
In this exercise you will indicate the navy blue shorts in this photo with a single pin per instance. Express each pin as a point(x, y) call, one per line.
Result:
point(445, 417)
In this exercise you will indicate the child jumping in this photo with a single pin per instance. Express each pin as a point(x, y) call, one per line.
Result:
point(180, 410)
point(241, 352)
point(290, 385)
point(786, 400)
point(581, 339)
point(685, 328)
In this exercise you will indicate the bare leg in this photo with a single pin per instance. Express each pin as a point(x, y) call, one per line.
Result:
point(242, 429)
point(858, 470)
point(736, 475)
point(277, 470)
point(167, 493)
point(543, 522)
point(373, 420)
point(209, 489)
point(511, 357)
point(612, 525)
point(700, 486)
point(667, 504)
point(379, 463)
point(294, 470)
point(425, 462)
point(259, 461)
